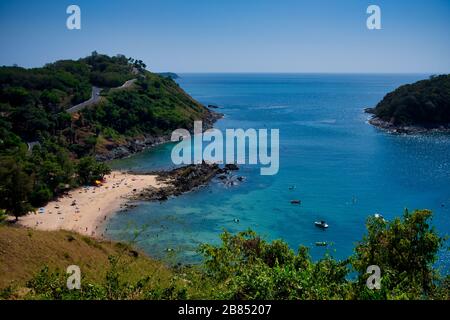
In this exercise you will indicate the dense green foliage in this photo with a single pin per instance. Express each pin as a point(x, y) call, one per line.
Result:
point(156, 106)
point(405, 249)
point(111, 71)
point(90, 170)
point(33, 104)
point(425, 103)
point(246, 266)
point(15, 187)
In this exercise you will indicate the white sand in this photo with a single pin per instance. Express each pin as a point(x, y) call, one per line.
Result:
point(92, 206)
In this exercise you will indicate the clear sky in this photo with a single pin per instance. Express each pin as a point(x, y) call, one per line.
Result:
point(234, 35)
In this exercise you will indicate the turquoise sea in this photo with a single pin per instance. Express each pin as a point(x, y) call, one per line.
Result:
point(343, 168)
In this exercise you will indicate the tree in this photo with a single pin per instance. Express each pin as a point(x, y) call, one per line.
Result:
point(15, 187)
point(248, 267)
point(405, 250)
point(90, 170)
point(245, 266)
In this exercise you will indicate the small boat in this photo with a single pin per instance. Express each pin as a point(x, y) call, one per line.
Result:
point(296, 201)
point(321, 224)
point(321, 244)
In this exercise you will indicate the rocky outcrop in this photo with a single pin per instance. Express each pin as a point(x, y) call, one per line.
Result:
point(185, 179)
point(130, 146)
point(390, 127)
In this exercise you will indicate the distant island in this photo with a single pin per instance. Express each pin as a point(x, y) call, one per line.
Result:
point(413, 108)
point(169, 75)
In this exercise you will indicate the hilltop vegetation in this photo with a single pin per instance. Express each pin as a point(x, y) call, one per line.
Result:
point(424, 103)
point(170, 75)
point(244, 267)
point(157, 105)
point(33, 104)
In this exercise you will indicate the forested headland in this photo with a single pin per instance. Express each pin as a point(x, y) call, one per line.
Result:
point(423, 104)
point(45, 150)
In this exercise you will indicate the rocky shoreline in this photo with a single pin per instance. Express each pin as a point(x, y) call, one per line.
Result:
point(136, 145)
point(404, 129)
point(130, 147)
point(184, 179)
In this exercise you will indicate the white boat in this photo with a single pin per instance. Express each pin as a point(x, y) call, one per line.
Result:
point(321, 224)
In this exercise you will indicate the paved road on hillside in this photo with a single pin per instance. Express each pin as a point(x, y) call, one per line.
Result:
point(95, 97)
point(32, 144)
point(127, 84)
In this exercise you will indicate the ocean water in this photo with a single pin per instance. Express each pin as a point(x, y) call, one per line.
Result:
point(343, 169)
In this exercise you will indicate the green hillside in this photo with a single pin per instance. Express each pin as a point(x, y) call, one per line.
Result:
point(44, 149)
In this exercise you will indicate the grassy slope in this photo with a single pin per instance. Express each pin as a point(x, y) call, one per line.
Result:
point(24, 252)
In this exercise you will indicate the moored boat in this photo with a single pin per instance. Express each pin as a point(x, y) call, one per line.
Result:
point(321, 224)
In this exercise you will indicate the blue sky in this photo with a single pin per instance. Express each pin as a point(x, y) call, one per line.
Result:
point(234, 36)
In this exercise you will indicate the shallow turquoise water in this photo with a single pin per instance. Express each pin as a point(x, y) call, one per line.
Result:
point(344, 169)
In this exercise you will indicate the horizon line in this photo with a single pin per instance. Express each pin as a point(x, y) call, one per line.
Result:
point(275, 72)
point(300, 72)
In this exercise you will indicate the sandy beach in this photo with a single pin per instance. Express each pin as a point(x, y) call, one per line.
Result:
point(86, 209)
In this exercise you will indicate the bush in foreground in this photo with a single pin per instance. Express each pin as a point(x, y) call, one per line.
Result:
point(246, 267)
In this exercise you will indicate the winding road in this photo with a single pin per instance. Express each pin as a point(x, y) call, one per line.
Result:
point(95, 97)
point(31, 144)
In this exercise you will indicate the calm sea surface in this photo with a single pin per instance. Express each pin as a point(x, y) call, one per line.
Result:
point(343, 169)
